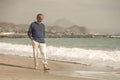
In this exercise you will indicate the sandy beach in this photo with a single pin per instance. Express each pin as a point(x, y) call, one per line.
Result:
point(13, 67)
point(21, 68)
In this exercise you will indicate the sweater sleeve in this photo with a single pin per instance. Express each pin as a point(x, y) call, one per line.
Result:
point(30, 32)
point(44, 31)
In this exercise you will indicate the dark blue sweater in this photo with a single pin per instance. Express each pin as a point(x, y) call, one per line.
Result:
point(37, 32)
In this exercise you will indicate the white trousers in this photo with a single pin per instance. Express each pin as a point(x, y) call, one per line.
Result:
point(42, 48)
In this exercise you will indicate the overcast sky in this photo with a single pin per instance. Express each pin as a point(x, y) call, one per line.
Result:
point(98, 15)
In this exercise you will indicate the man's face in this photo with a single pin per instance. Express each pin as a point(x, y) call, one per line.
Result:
point(40, 18)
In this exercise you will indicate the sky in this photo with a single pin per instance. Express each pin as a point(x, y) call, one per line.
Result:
point(96, 15)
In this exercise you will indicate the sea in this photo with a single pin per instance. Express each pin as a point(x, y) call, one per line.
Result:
point(102, 52)
point(93, 52)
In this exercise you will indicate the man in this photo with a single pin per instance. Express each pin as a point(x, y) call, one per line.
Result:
point(36, 33)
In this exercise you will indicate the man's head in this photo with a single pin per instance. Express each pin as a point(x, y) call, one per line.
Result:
point(40, 17)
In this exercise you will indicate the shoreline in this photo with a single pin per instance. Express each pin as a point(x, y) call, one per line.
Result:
point(50, 35)
point(14, 67)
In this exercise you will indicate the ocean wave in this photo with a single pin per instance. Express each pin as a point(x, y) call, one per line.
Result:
point(91, 57)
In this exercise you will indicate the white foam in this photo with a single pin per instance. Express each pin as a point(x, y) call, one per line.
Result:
point(98, 75)
point(78, 55)
point(15, 49)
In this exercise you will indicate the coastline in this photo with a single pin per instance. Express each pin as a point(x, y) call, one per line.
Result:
point(21, 68)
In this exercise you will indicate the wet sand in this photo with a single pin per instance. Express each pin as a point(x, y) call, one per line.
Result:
point(21, 68)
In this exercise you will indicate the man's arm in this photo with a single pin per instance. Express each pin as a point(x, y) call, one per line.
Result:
point(44, 31)
point(30, 32)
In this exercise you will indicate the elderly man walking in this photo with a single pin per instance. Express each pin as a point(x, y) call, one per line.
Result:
point(36, 33)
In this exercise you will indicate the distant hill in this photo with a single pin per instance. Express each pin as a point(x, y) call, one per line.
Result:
point(54, 31)
point(11, 27)
point(73, 30)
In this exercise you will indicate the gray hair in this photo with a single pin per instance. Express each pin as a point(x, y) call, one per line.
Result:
point(39, 15)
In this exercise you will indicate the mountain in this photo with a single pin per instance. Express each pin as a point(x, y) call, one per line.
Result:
point(63, 23)
point(55, 29)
